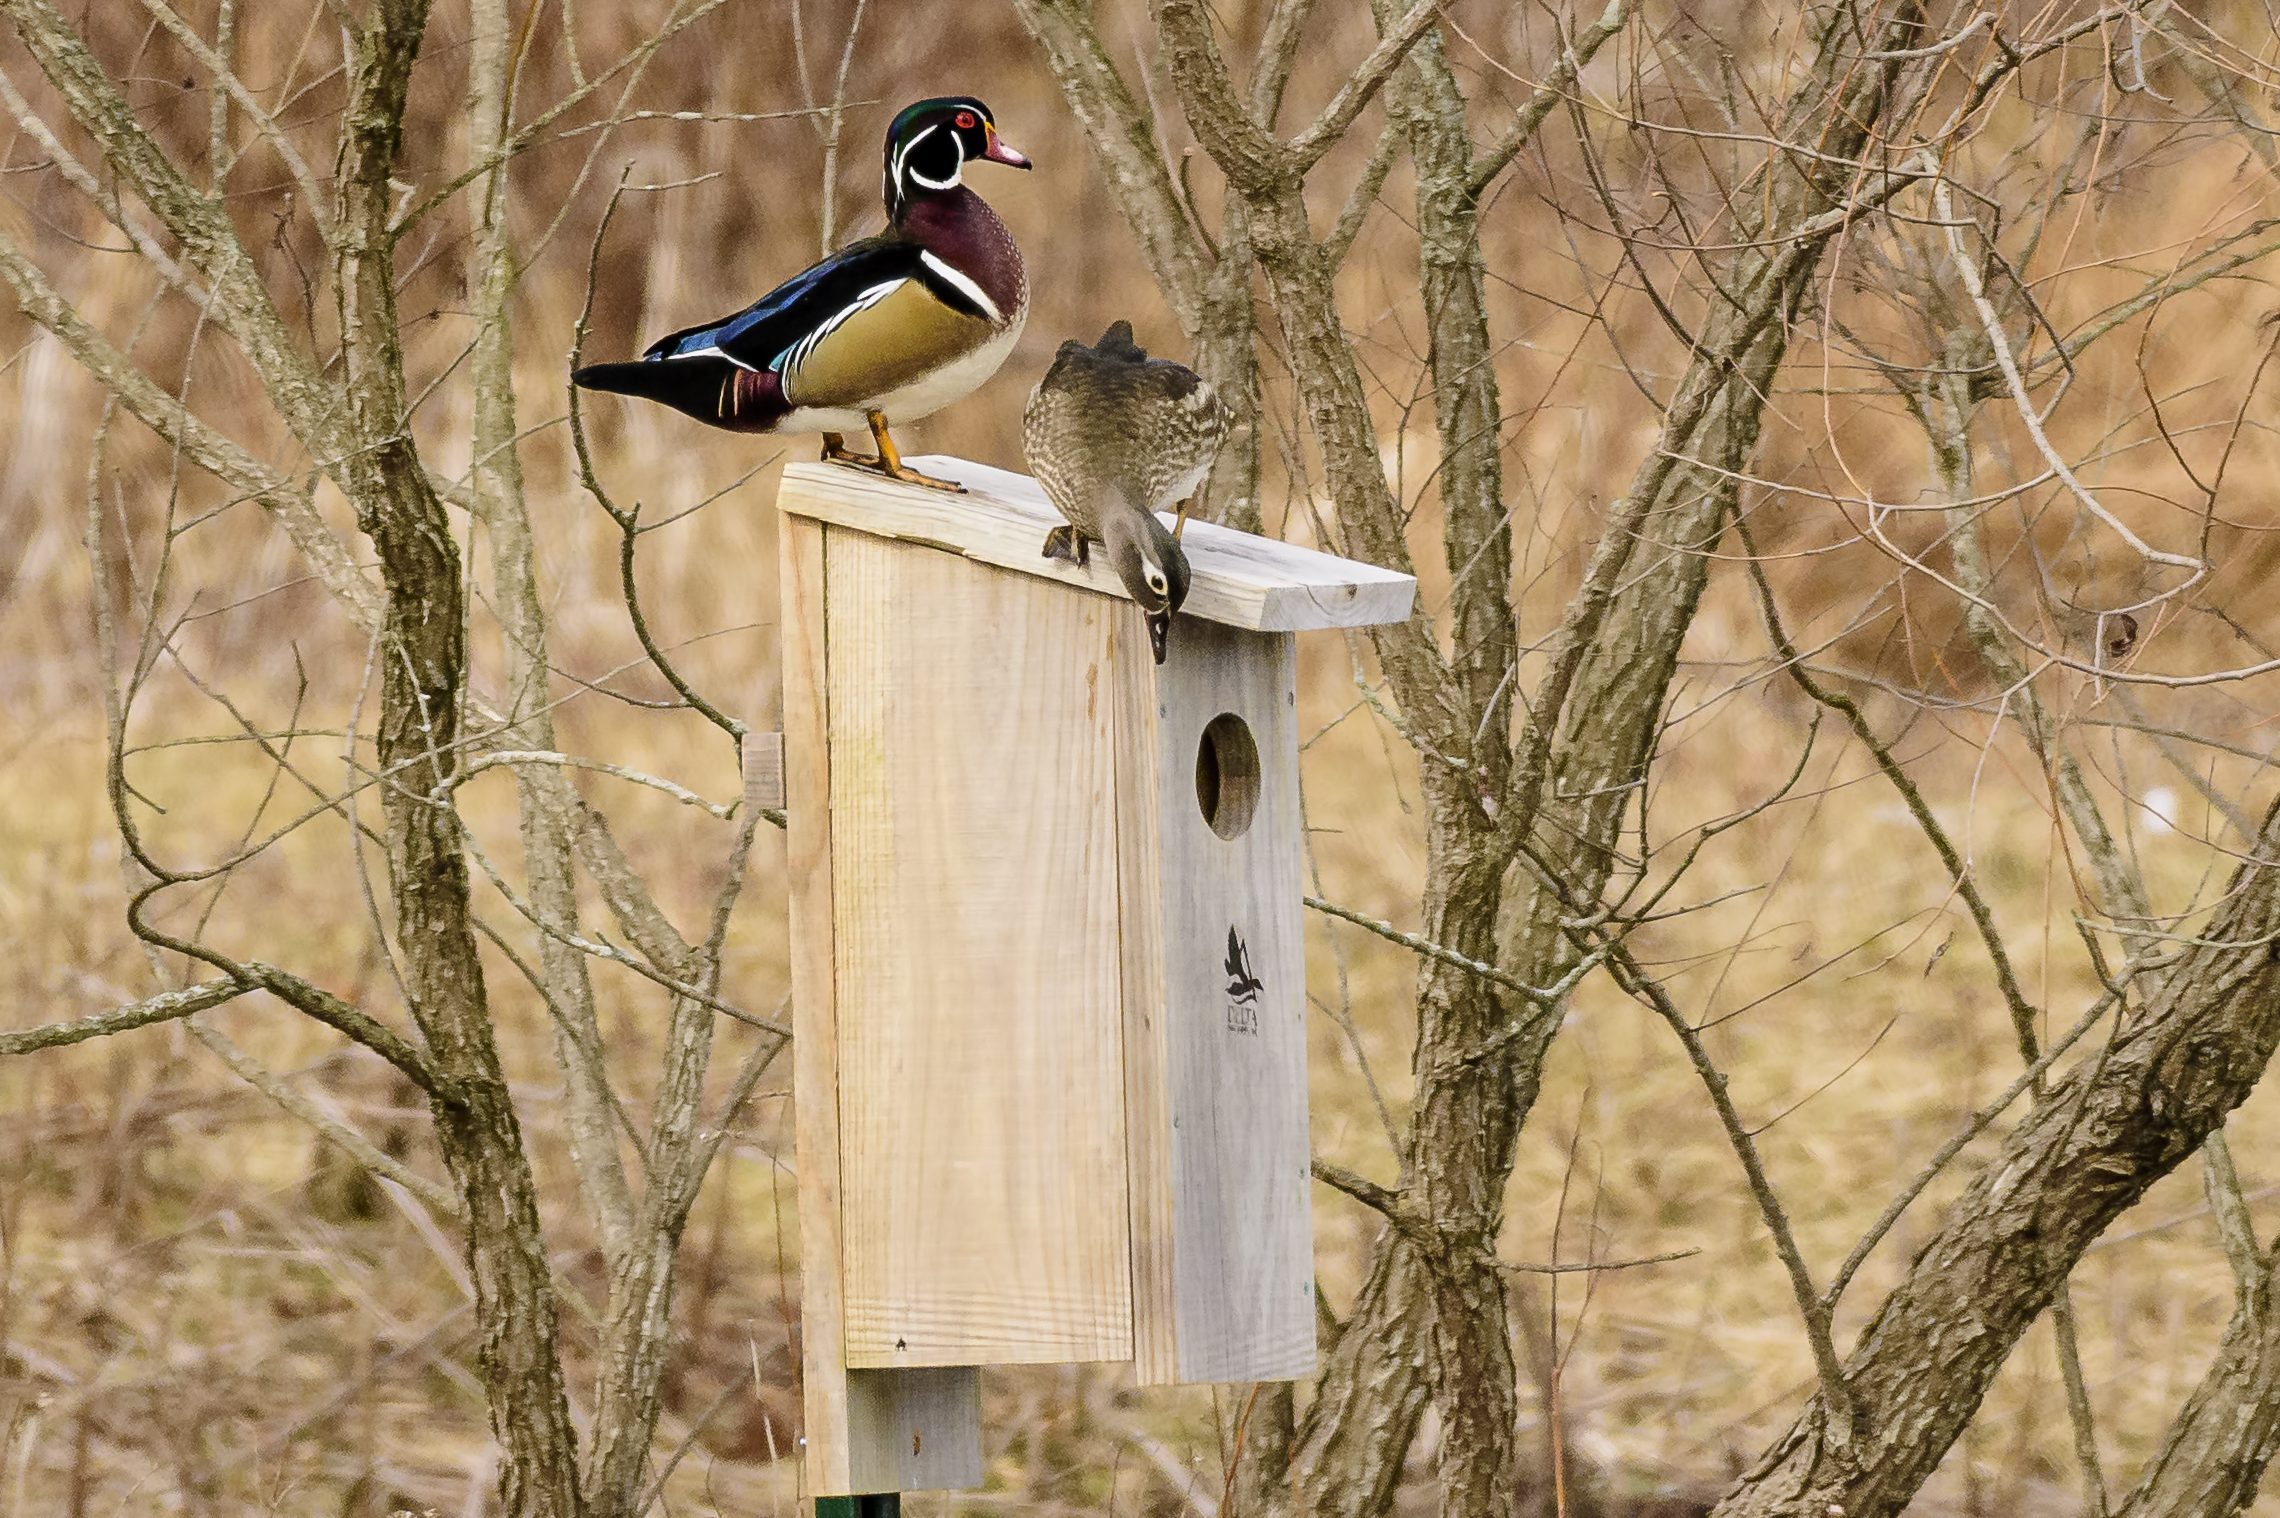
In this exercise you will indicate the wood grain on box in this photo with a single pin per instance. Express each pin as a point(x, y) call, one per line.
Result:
point(1236, 577)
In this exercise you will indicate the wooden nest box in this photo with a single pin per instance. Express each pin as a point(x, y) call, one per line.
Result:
point(1047, 970)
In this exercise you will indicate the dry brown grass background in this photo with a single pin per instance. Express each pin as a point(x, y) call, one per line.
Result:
point(202, 1311)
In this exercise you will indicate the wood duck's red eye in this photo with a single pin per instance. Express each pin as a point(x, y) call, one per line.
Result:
point(966, 120)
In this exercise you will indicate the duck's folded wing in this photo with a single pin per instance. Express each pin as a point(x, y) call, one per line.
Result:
point(870, 318)
point(894, 337)
point(771, 324)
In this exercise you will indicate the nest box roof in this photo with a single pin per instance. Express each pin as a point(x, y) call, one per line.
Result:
point(1237, 578)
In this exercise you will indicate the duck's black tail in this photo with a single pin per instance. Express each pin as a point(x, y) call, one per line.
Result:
point(711, 389)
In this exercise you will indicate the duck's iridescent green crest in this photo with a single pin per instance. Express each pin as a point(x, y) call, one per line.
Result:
point(930, 143)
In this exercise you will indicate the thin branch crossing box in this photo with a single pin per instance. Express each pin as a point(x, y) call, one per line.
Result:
point(1047, 972)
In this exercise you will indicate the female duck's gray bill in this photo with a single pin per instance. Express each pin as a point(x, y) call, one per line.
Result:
point(1159, 632)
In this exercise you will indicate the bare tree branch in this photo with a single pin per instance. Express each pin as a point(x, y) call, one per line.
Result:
point(498, 487)
point(205, 446)
point(1574, 58)
point(2214, 1454)
point(342, 1137)
point(1329, 128)
point(423, 673)
point(242, 305)
point(164, 1007)
point(2116, 1124)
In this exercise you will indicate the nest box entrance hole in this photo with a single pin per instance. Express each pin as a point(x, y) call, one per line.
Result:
point(1227, 775)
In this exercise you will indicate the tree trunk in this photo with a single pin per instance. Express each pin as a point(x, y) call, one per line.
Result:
point(423, 681)
point(1470, 1104)
point(2125, 1117)
point(2214, 1456)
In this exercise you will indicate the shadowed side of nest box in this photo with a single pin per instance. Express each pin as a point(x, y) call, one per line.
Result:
point(1214, 1006)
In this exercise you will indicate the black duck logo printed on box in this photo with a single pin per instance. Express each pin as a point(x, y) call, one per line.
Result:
point(1243, 987)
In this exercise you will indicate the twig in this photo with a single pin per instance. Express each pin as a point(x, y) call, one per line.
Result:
point(688, 1441)
point(2000, 343)
point(1584, 1267)
point(1938, 49)
point(1573, 60)
point(1836, 1393)
point(615, 955)
point(628, 521)
point(1976, 1125)
point(501, 758)
point(1340, 242)
point(1368, 1192)
point(1959, 873)
point(164, 1007)
point(1550, 996)
point(1329, 129)
point(327, 1127)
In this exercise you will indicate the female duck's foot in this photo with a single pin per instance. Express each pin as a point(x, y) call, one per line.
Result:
point(1065, 542)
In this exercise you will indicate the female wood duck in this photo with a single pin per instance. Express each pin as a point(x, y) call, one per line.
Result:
point(884, 331)
point(1115, 436)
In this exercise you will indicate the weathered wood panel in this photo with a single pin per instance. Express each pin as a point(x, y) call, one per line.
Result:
point(1223, 1242)
point(1147, 1096)
point(872, 1431)
point(976, 955)
point(1237, 578)
point(915, 1430)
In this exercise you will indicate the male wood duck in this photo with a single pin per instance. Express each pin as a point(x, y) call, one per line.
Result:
point(884, 331)
point(1115, 436)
